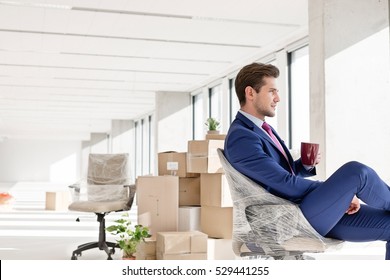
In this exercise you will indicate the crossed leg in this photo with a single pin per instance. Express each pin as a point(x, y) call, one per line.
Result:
point(325, 207)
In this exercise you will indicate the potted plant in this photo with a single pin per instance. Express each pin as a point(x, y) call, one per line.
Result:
point(129, 236)
point(212, 125)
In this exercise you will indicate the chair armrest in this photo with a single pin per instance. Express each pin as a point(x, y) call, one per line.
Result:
point(75, 191)
point(132, 190)
point(75, 187)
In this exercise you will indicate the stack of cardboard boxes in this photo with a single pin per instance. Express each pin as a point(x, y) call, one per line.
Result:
point(188, 200)
point(215, 200)
point(173, 163)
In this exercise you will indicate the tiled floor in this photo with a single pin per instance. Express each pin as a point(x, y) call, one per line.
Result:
point(29, 232)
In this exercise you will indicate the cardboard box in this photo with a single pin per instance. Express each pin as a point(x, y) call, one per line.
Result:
point(197, 256)
point(189, 191)
point(215, 136)
point(58, 200)
point(189, 218)
point(217, 222)
point(146, 250)
point(202, 156)
point(174, 163)
point(209, 164)
point(188, 242)
point(158, 202)
point(204, 148)
point(220, 249)
point(215, 190)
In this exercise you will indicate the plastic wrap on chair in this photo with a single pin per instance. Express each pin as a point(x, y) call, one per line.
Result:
point(108, 169)
point(86, 192)
point(108, 176)
point(266, 224)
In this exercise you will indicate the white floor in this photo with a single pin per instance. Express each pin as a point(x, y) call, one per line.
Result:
point(29, 232)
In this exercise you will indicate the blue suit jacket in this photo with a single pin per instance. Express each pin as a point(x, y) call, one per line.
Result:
point(252, 152)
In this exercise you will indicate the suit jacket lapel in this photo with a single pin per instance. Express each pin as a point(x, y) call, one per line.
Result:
point(258, 130)
point(265, 136)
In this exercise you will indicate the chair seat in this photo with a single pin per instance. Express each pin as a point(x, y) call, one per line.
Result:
point(311, 245)
point(304, 244)
point(98, 206)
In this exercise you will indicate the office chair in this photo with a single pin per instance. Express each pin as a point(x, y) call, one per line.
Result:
point(106, 190)
point(267, 226)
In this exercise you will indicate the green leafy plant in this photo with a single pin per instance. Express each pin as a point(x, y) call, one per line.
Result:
point(212, 124)
point(129, 236)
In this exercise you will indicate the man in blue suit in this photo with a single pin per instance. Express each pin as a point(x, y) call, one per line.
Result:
point(332, 206)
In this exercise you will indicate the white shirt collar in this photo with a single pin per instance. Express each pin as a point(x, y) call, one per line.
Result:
point(255, 120)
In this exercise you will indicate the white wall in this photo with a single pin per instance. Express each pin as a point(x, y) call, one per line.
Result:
point(60, 161)
point(350, 91)
point(39, 160)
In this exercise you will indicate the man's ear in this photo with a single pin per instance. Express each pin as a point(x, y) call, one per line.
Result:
point(249, 91)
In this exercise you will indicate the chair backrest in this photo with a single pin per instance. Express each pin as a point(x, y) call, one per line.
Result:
point(242, 187)
point(108, 169)
point(245, 193)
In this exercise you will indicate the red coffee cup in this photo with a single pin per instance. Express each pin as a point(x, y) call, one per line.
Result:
point(309, 152)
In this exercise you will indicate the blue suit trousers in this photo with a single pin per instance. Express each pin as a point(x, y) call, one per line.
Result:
point(325, 206)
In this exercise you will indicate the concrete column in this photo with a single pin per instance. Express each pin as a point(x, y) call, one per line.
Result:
point(122, 134)
point(349, 83)
point(173, 121)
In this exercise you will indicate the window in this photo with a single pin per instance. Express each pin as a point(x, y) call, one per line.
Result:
point(299, 97)
point(233, 100)
point(197, 116)
point(215, 102)
point(273, 121)
point(143, 146)
point(138, 149)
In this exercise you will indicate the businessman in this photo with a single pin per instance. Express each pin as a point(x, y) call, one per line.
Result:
point(332, 206)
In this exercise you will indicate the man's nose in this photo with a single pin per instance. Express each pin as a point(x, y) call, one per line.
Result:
point(277, 96)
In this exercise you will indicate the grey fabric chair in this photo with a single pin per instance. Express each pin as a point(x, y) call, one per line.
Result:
point(268, 226)
point(106, 190)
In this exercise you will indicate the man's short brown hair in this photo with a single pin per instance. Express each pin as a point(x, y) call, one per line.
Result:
point(253, 75)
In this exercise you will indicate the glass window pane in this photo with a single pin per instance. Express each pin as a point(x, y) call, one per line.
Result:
point(299, 97)
point(138, 149)
point(151, 146)
point(198, 122)
point(145, 146)
point(274, 120)
point(234, 104)
point(215, 102)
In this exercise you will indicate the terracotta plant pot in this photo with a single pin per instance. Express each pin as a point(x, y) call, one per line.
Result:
point(129, 258)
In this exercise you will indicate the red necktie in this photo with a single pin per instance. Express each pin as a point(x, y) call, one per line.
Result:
point(268, 129)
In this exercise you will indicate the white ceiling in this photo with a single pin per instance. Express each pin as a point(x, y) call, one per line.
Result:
point(67, 68)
